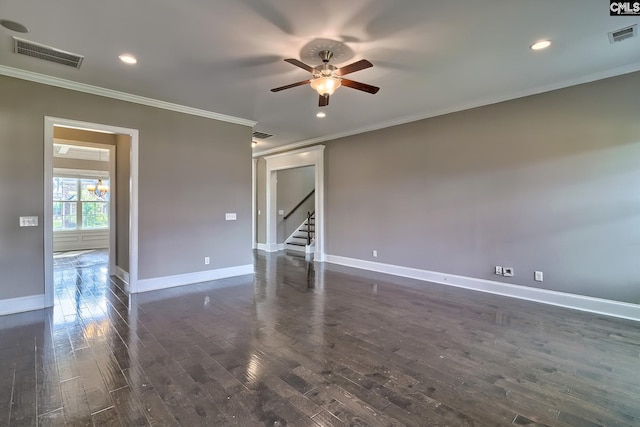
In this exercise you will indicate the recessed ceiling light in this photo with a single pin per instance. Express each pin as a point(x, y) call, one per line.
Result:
point(14, 26)
point(542, 44)
point(321, 114)
point(128, 59)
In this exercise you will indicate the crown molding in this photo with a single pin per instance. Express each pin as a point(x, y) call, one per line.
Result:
point(611, 72)
point(122, 96)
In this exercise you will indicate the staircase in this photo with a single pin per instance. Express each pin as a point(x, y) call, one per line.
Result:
point(303, 239)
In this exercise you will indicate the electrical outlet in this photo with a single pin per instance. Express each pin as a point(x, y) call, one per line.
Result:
point(375, 253)
point(230, 216)
point(507, 271)
point(281, 212)
point(207, 260)
point(538, 276)
point(498, 270)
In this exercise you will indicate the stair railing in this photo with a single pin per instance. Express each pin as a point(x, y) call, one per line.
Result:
point(299, 204)
point(309, 215)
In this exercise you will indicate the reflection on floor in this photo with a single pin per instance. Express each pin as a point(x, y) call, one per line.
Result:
point(80, 280)
point(309, 344)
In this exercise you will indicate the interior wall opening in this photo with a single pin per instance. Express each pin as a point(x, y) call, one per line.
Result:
point(90, 217)
point(292, 163)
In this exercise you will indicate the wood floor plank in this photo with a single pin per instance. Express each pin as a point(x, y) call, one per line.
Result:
point(128, 407)
point(174, 398)
point(23, 401)
point(93, 384)
point(106, 417)
point(48, 397)
point(52, 419)
point(75, 405)
point(153, 406)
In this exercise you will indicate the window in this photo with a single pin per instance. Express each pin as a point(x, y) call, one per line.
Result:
point(77, 208)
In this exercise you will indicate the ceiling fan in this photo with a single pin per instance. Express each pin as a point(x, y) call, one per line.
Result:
point(327, 78)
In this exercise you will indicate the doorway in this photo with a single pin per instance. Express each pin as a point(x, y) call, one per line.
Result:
point(84, 191)
point(130, 276)
point(313, 156)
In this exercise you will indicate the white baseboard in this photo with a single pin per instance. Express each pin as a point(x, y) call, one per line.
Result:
point(21, 304)
point(271, 247)
point(562, 299)
point(146, 285)
point(268, 247)
point(302, 249)
point(122, 275)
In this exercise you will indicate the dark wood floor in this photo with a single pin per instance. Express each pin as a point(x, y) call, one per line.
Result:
point(310, 345)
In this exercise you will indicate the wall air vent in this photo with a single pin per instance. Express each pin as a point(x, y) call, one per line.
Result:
point(623, 34)
point(261, 135)
point(47, 53)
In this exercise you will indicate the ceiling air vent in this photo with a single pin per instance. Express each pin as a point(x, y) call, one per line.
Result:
point(623, 34)
point(261, 135)
point(37, 50)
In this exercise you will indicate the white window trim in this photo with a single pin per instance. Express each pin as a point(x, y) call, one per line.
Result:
point(79, 202)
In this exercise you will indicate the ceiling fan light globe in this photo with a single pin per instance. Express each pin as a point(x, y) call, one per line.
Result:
point(325, 85)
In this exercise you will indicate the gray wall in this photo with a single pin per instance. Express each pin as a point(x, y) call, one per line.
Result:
point(294, 185)
point(191, 171)
point(548, 182)
point(81, 135)
point(123, 173)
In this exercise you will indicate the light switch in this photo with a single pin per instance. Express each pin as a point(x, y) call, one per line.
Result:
point(230, 216)
point(28, 221)
point(281, 212)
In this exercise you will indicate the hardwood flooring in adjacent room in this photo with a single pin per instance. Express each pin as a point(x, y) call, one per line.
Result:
point(310, 345)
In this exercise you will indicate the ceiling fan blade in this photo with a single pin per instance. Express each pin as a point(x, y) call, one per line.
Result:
point(323, 101)
point(300, 64)
point(278, 89)
point(360, 86)
point(352, 68)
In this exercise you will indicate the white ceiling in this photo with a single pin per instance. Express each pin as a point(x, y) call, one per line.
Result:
point(430, 57)
point(80, 152)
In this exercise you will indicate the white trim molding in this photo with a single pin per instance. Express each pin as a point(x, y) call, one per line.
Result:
point(156, 283)
point(21, 304)
point(122, 96)
point(294, 248)
point(270, 247)
point(123, 275)
point(254, 184)
point(577, 302)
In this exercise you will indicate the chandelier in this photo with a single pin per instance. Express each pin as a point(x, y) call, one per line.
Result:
point(99, 189)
